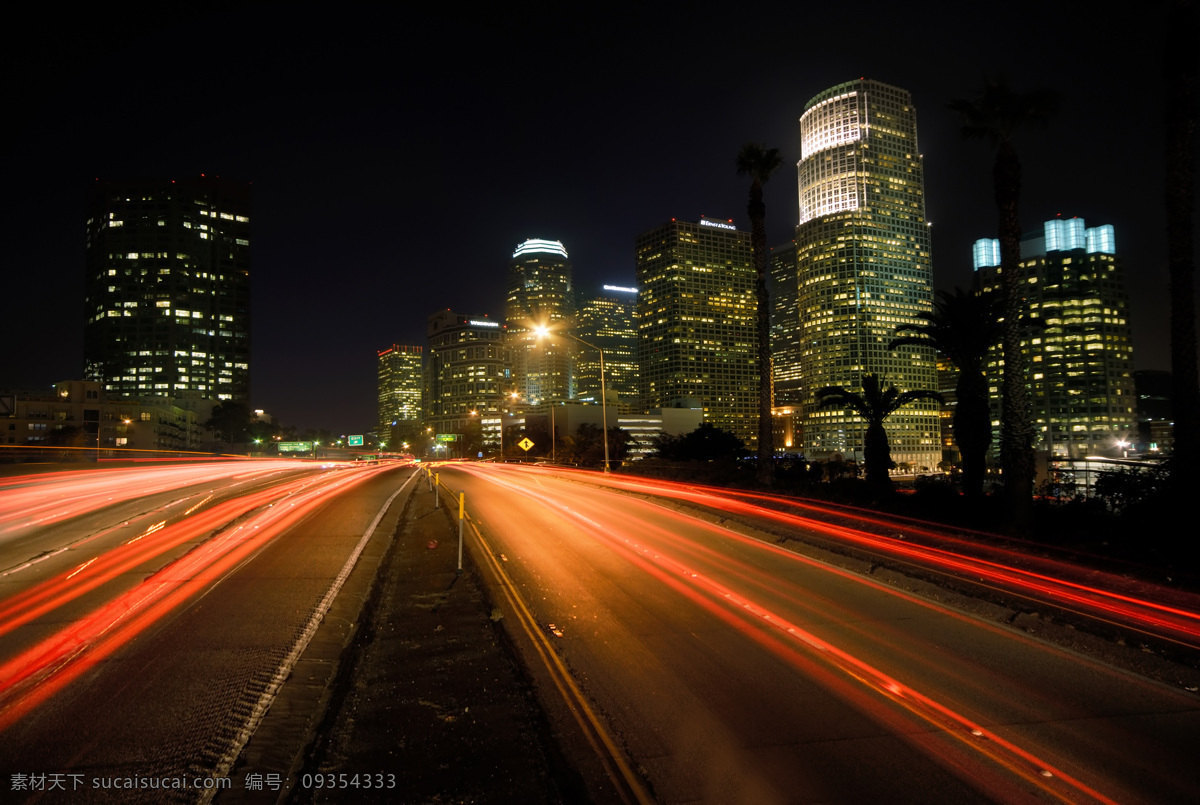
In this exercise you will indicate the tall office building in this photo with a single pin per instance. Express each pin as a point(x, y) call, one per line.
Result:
point(468, 373)
point(540, 294)
point(1079, 349)
point(605, 320)
point(863, 264)
point(401, 382)
point(167, 288)
point(788, 389)
point(696, 322)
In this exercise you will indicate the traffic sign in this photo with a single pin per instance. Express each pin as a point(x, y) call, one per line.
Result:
point(355, 441)
point(525, 444)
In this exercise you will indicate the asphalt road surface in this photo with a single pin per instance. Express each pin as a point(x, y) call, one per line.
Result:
point(146, 616)
point(732, 670)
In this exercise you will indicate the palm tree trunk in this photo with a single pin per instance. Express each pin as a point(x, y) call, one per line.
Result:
point(1180, 77)
point(972, 429)
point(758, 250)
point(1016, 429)
point(877, 456)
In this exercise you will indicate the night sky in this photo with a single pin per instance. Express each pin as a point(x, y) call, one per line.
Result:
point(398, 157)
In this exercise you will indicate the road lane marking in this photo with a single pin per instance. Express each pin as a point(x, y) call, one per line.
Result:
point(225, 764)
point(626, 781)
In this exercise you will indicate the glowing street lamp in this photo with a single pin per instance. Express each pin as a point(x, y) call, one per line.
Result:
point(543, 332)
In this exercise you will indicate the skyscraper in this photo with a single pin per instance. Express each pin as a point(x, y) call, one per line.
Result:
point(696, 322)
point(401, 380)
point(606, 320)
point(540, 294)
point(863, 264)
point(1079, 349)
point(167, 288)
point(468, 373)
point(788, 389)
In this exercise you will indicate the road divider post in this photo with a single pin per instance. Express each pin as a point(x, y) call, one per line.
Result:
point(462, 504)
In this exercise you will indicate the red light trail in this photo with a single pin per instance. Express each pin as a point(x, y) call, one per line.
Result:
point(768, 608)
point(39, 671)
point(1164, 613)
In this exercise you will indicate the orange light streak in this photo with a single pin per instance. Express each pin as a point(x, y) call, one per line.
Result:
point(706, 591)
point(1051, 583)
point(37, 673)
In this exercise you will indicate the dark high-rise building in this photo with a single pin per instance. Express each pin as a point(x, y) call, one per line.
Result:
point(1079, 351)
point(606, 320)
point(401, 381)
point(468, 374)
point(696, 322)
point(167, 288)
point(540, 294)
point(788, 389)
point(863, 265)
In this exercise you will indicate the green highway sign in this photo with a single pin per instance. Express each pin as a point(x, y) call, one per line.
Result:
point(447, 437)
point(355, 441)
point(295, 447)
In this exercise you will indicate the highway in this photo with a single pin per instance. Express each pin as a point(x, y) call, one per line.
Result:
point(149, 615)
point(731, 669)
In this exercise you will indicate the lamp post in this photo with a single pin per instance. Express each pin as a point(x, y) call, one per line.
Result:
point(543, 331)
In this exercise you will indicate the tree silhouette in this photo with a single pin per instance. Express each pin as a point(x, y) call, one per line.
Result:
point(875, 404)
point(962, 326)
point(759, 162)
point(996, 114)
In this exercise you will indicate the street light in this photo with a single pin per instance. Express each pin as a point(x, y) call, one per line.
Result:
point(542, 332)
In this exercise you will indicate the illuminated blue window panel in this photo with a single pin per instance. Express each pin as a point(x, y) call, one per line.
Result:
point(986, 253)
point(1065, 235)
point(1101, 239)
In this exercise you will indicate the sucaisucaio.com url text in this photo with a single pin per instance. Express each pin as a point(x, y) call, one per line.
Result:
point(68, 781)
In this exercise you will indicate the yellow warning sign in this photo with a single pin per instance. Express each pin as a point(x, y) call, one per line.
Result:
point(525, 444)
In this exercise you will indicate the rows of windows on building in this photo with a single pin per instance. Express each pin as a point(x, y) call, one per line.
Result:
point(859, 267)
point(1077, 342)
point(167, 288)
point(166, 325)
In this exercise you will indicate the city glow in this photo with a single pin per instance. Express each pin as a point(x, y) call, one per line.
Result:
point(541, 246)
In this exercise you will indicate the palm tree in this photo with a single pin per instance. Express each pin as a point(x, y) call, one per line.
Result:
point(962, 326)
point(759, 162)
point(996, 114)
point(1180, 82)
point(875, 404)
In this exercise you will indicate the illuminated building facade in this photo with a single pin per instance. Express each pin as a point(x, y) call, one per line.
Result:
point(167, 288)
point(468, 373)
point(605, 319)
point(401, 382)
point(78, 414)
point(696, 322)
point(863, 265)
point(788, 388)
point(540, 294)
point(1079, 348)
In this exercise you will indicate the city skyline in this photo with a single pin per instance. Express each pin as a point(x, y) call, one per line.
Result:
point(377, 200)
